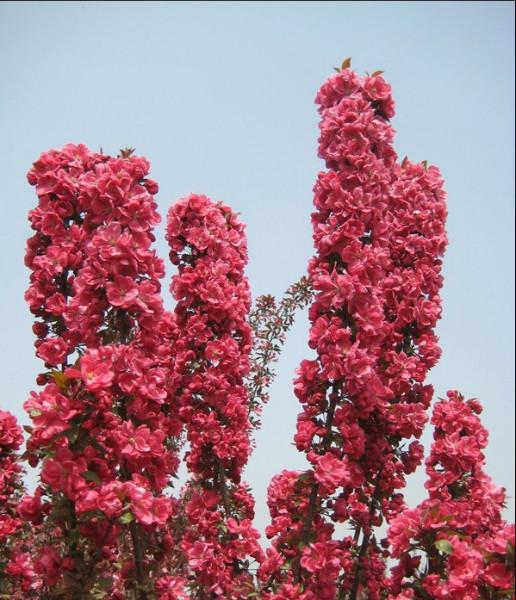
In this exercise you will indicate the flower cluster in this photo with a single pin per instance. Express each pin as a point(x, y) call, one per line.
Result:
point(104, 426)
point(126, 382)
point(455, 544)
point(11, 439)
point(379, 233)
point(210, 361)
point(22, 554)
point(55, 253)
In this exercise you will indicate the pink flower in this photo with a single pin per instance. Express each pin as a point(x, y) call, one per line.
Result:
point(64, 472)
point(499, 575)
point(331, 472)
point(31, 509)
point(122, 292)
point(198, 555)
point(171, 588)
point(48, 565)
point(53, 351)
point(148, 509)
point(305, 432)
point(96, 371)
point(111, 498)
point(51, 412)
point(315, 556)
point(21, 566)
point(11, 436)
point(161, 510)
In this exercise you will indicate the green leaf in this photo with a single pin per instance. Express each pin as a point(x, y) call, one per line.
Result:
point(60, 378)
point(376, 73)
point(126, 518)
point(74, 535)
point(222, 528)
point(72, 435)
point(305, 477)
point(90, 514)
point(425, 164)
point(91, 476)
point(444, 546)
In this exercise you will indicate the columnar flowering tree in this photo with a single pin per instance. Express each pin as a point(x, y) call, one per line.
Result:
point(103, 428)
point(455, 544)
point(379, 234)
point(11, 488)
point(211, 359)
point(126, 383)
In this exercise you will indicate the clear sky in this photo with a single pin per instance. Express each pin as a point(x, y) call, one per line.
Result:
point(219, 96)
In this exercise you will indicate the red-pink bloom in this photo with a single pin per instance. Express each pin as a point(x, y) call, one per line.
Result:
point(171, 588)
point(331, 472)
point(378, 230)
point(207, 243)
point(111, 500)
point(148, 509)
point(48, 564)
point(122, 291)
point(461, 522)
point(31, 508)
point(96, 370)
point(51, 412)
point(53, 351)
point(11, 436)
point(21, 566)
point(63, 473)
point(499, 576)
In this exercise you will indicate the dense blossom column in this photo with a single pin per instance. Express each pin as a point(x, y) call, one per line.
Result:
point(15, 561)
point(211, 360)
point(103, 427)
point(412, 307)
point(54, 254)
point(455, 544)
point(376, 279)
point(123, 379)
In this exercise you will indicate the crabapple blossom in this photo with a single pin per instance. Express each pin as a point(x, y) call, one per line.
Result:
point(125, 383)
point(210, 361)
point(378, 230)
point(468, 548)
point(95, 286)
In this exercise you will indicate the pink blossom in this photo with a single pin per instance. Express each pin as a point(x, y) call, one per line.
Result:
point(53, 351)
point(331, 472)
point(122, 292)
point(96, 370)
point(10, 432)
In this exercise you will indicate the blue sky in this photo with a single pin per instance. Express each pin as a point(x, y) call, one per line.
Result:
point(219, 96)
